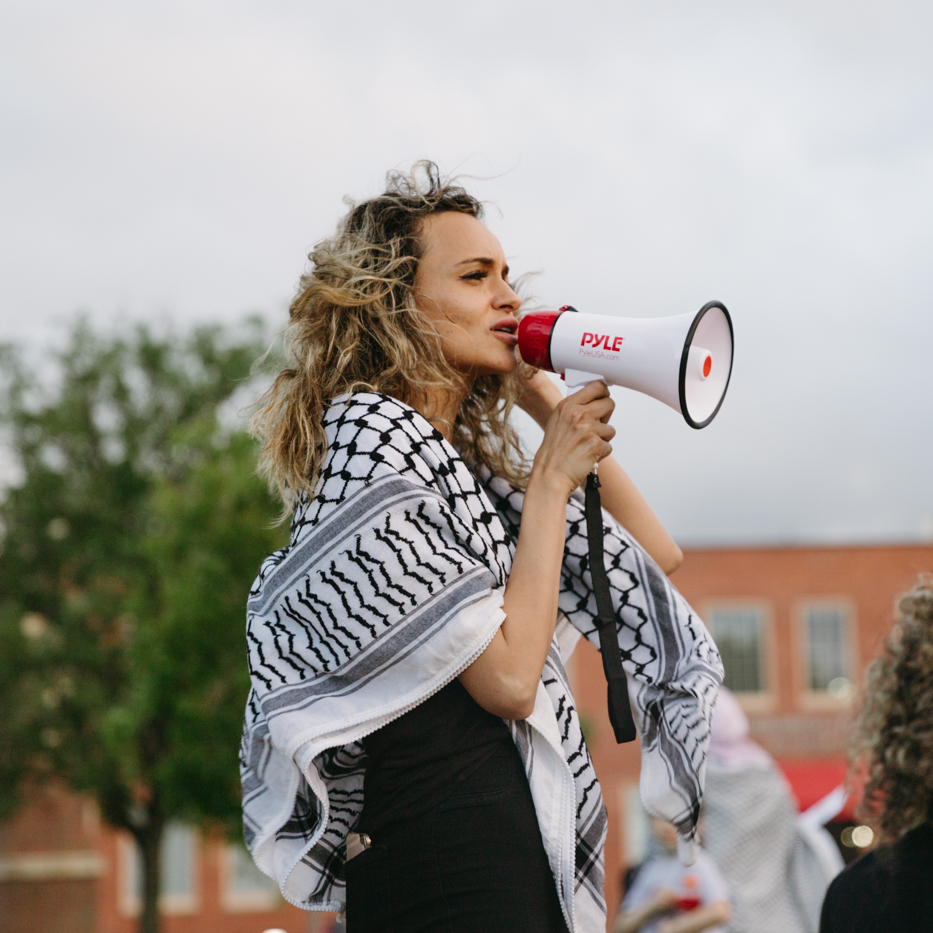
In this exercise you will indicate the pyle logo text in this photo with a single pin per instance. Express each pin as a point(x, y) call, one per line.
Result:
point(602, 340)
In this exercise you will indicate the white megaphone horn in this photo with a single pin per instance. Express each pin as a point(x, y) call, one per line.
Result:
point(684, 361)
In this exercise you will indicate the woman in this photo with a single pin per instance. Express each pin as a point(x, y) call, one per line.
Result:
point(411, 746)
point(666, 897)
point(889, 889)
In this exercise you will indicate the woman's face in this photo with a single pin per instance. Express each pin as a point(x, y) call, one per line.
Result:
point(462, 285)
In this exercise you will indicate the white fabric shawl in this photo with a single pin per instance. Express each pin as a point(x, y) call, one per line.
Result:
point(391, 586)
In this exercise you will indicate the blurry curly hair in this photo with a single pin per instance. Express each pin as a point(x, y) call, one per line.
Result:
point(894, 733)
point(354, 327)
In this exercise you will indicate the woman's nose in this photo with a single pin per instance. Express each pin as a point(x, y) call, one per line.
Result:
point(506, 298)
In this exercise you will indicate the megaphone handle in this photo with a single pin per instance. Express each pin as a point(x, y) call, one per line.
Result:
point(620, 709)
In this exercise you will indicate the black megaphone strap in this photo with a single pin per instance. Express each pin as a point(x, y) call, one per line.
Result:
point(620, 710)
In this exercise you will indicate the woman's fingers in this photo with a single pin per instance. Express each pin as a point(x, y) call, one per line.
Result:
point(577, 435)
point(594, 398)
point(590, 392)
point(602, 446)
point(573, 447)
point(599, 409)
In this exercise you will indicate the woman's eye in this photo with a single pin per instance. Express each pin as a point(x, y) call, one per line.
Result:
point(475, 276)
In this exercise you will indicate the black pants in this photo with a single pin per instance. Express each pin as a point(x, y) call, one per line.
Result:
point(474, 864)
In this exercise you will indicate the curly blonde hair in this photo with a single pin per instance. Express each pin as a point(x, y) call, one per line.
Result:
point(354, 327)
point(894, 733)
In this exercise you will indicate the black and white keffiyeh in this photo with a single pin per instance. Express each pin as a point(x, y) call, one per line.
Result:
point(391, 586)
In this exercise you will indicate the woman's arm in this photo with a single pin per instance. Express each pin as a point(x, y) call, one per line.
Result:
point(620, 497)
point(504, 679)
point(628, 507)
point(630, 921)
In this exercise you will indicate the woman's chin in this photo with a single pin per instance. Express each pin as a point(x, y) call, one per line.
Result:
point(507, 362)
point(498, 364)
point(500, 370)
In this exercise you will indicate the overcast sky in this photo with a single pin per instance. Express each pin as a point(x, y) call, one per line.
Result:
point(176, 161)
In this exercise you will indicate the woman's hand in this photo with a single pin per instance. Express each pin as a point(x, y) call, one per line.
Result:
point(664, 900)
point(630, 921)
point(576, 436)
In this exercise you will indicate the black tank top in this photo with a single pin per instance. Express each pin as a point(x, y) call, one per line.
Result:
point(421, 757)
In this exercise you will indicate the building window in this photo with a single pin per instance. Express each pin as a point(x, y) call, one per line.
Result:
point(826, 627)
point(739, 633)
point(177, 870)
point(245, 886)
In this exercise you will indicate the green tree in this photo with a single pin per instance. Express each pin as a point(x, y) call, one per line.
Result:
point(129, 544)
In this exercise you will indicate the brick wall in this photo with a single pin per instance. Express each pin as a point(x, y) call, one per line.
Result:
point(61, 871)
point(788, 720)
point(50, 866)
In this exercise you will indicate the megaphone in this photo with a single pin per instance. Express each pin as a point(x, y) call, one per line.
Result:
point(683, 361)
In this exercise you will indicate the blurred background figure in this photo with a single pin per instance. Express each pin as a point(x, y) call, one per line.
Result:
point(666, 897)
point(890, 889)
point(777, 865)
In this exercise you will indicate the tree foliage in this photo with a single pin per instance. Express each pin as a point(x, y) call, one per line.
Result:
point(128, 548)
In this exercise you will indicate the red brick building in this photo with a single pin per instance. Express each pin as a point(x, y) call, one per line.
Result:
point(61, 871)
point(796, 627)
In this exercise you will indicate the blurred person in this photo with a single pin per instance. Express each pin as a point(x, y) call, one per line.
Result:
point(777, 865)
point(891, 888)
point(411, 749)
point(668, 897)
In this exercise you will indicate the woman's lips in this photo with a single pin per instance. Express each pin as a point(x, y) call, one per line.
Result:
point(506, 330)
point(507, 336)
